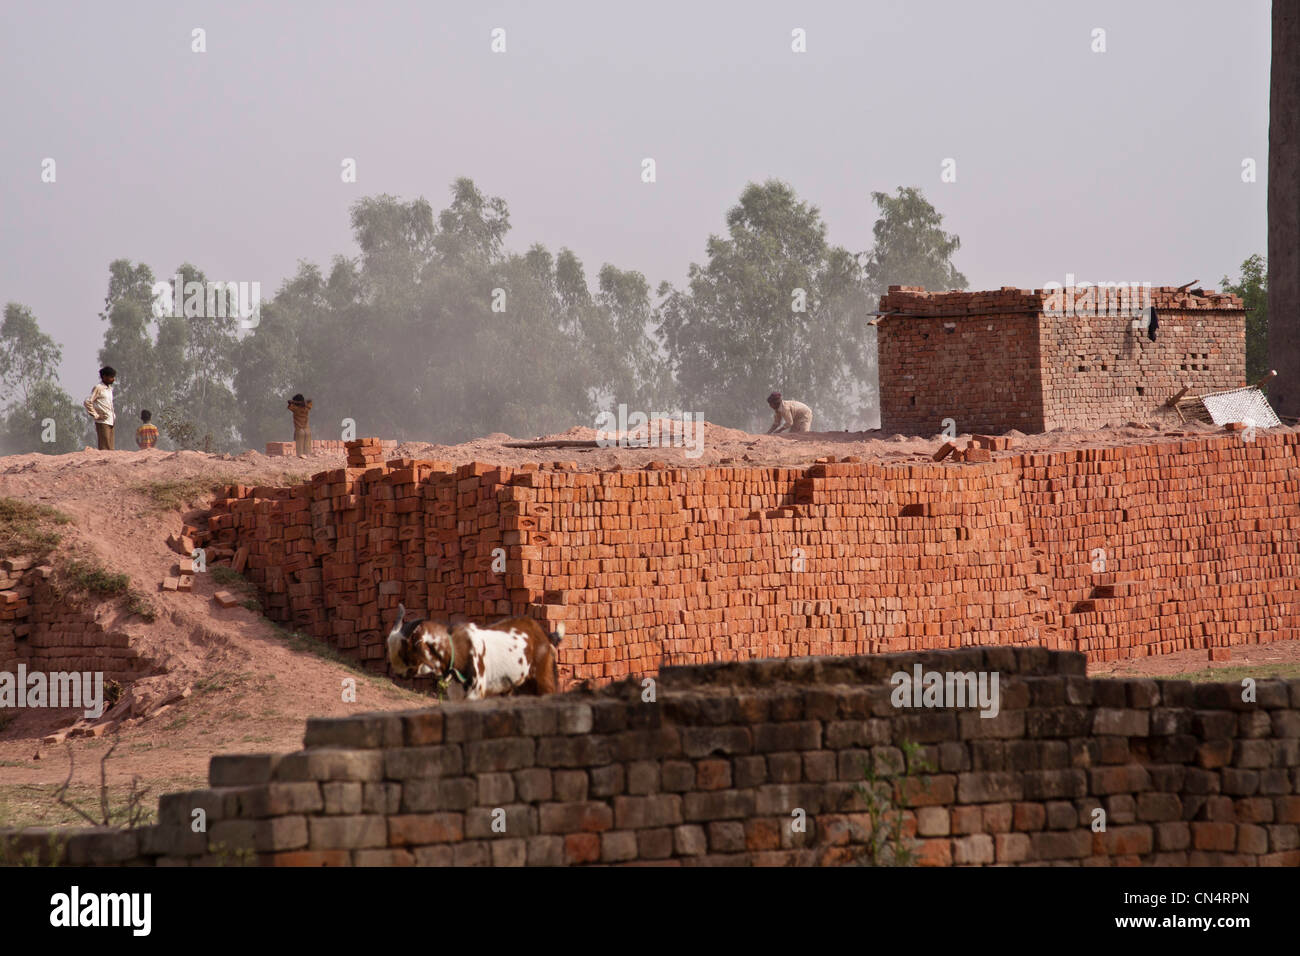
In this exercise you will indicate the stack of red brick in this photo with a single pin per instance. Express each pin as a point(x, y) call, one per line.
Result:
point(674, 566)
point(280, 449)
point(40, 629)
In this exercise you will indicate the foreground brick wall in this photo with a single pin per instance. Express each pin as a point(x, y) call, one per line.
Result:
point(652, 567)
point(41, 630)
point(714, 770)
point(994, 361)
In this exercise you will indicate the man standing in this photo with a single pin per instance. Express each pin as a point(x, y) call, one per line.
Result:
point(100, 407)
point(796, 416)
point(300, 408)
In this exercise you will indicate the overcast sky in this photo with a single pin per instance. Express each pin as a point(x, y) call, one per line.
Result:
point(1117, 166)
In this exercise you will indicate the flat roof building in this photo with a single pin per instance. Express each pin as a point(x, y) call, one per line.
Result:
point(1039, 359)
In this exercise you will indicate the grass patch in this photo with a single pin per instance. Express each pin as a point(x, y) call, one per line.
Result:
point(142, 607)
point(221, 681)
point(228, 578)
point(82, 577)
point(34, 804)
point(27, 528)
point(297, 641)
point(92, 579)
point(224, 577)
point(178, 723)
point(306, 644)
point(179, 494)
point(1234, 674)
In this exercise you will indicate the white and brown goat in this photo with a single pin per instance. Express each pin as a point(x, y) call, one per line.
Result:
point(513, 656)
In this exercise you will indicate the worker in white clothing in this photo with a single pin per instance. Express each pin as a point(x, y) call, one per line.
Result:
point(794, 416)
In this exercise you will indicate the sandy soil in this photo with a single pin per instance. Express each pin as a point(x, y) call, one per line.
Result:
point(248, 690)
point(719, 445)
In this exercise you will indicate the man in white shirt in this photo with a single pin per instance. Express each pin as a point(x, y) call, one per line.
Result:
point(795, 416)
point(100, 407)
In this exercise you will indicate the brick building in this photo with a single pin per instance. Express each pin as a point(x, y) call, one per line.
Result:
point(1041, 359)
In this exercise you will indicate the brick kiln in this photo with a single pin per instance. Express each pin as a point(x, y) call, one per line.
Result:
point(1040, 359)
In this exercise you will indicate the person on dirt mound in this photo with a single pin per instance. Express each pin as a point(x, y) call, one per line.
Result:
point(300, 407)
point(792, 415)
point(99, 406)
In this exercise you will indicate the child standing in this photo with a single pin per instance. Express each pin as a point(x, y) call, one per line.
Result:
point(146, 436)
point(300, 408)
point(100, 407)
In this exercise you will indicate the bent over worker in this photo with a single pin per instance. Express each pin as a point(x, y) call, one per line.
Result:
point(792, 415)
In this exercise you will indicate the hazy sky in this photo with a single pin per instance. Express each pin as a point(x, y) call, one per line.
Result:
point(1117, 166)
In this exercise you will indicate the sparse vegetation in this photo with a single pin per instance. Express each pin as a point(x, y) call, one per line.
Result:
point(52, 854)
point(86, 578)
point(225, 577)
point(133, 811)
point(91, 579)
point(27, 528)
point(886, 795)
point(239, 856)
point(297, 641)
point(181, 493)
point(1235, 674)
point(34, 804)
point(221, 680)
point(142, 607)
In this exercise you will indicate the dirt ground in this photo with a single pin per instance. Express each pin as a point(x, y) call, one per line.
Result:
point(248, 686)
point(1277, 659)
point(718, 445)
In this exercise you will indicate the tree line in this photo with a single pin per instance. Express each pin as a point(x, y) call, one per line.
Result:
point(434, 330)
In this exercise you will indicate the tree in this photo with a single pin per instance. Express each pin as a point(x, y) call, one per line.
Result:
point(38, 415)
point(184, 362)
point(49, 421)
point(28, 356)
point(201, 376)
point(436, 332)
point(911, 248)
point(1253, 289)
point(147, 351)
point(774, 307)
point(274, 362)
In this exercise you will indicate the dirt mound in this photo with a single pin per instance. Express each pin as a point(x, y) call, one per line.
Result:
point(221, 679)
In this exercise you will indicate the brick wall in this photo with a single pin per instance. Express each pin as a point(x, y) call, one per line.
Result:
point(983, 372)
point(1024, 359)
point(680, 566)
point(714, 769)
point(40, 629)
